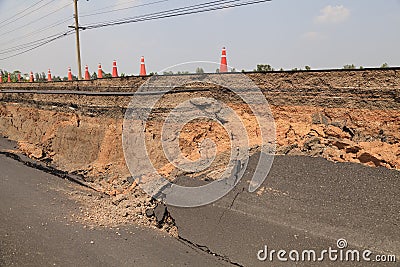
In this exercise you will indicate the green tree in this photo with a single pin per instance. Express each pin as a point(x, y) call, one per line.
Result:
point(14, 75)
point(3, 75)
point(199, 70)
point(307, 67)
point(385, 65)
point(349, 67)
point(264, 68)
point(94, 76)
point(182, 72)
point(42, 77)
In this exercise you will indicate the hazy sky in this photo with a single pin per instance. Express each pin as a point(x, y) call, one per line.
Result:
point(282, 33)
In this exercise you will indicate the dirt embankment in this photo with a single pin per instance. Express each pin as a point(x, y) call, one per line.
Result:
point(350, 116)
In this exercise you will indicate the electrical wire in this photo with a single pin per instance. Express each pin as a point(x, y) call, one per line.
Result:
point(26, 45)
point(36, 20)
point(64, 20)
point(1, 22)
point(108, 7)
point(179, 9)
point(39, 45)
point(194, 9)
point(24, 16)
point(125, 8)
point(35, 32)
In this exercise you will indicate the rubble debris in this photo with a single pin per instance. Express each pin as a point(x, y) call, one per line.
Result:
point(150, 213)
point(118, 199)
point(160, 213)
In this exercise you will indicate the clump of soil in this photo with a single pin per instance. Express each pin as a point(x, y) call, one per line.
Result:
point(101, 210)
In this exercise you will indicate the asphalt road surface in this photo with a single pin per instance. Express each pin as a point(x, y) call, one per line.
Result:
point(307, 203)
point(35, 229)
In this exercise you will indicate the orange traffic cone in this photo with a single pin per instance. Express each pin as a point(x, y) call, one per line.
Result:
point(142, 67)
point(87, 75)
point(9, 78)
point(31, 79)
point(19, 77)
point(115, 71)
point(224, 65)
point(49, 76)
point(1, 78)
point(100, 72)
point(69, 74)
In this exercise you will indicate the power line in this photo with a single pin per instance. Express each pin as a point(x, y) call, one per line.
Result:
point(109, 7)
point(39, 45)
point(178, 9)
point(25, 45)
point(1, 22)
point(36, 20)
point(35, 32)
point(31, 11)
point(125, 8)
point(194, 9)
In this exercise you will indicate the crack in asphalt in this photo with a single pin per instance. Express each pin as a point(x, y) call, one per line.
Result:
point(47, 169)
point(231, 205)
point(65, 175)
point(207, 250)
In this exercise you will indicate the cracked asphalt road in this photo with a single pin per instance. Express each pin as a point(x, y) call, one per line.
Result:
point(35, 229)
point(306, 203)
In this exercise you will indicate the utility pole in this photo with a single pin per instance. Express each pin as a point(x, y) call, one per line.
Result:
point(78, 47)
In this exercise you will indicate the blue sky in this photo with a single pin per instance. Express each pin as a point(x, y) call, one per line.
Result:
point(285, 34)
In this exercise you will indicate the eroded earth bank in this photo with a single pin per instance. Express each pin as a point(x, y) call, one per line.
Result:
point(342, 116)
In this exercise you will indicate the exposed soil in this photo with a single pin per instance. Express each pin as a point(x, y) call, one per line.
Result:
point(341, 116)
point(97, 209)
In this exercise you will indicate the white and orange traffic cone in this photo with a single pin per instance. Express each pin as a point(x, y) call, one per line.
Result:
point(31, 79)
point(69, 74)
point(9, 78)
point(114, 70)
point(19, 77)
point(1, 78)
point(99, 72)
point(49, 76)
point(87, 75)
point(224, 64)
point(142, 67)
